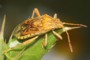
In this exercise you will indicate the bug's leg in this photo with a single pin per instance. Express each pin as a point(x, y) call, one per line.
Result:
point(24, 43)
point(19, 55)
point(52, 45)
point(30, 40)
point(56, 34)
point(74, 24)
point(69, 42)
point(55, 15)
point(45, 41)
point(35, 11)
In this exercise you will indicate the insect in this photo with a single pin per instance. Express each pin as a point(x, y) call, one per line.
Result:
point(35, 26)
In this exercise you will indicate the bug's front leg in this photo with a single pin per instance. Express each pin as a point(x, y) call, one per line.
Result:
point(57, 35)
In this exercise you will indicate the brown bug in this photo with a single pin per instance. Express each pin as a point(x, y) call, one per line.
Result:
point(34, 27)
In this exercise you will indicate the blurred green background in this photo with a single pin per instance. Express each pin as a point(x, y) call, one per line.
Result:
point(75, 11)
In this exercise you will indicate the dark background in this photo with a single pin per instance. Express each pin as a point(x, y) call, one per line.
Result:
point(76, 11)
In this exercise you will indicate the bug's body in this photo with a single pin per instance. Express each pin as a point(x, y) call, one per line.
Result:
point(34, 27)
point(37, 26)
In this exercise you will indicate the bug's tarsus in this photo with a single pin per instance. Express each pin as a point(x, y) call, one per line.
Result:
point(55, 15)
point(58, 35)
point(35, 11)
point(53, 45)
point(74, 24)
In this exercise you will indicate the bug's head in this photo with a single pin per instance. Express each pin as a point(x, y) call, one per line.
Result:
point(63, 24)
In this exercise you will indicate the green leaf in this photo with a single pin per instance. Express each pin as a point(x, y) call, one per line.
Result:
point(1, 49)
point(2, 43)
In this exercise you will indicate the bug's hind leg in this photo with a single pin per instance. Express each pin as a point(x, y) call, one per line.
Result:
point(35, 11)
point(56, 34)
point(74, 24)
point(45, 40)
point(30, 40)
point(24, 43)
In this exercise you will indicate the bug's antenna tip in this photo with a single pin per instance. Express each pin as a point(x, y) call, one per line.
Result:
point(84, 25)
